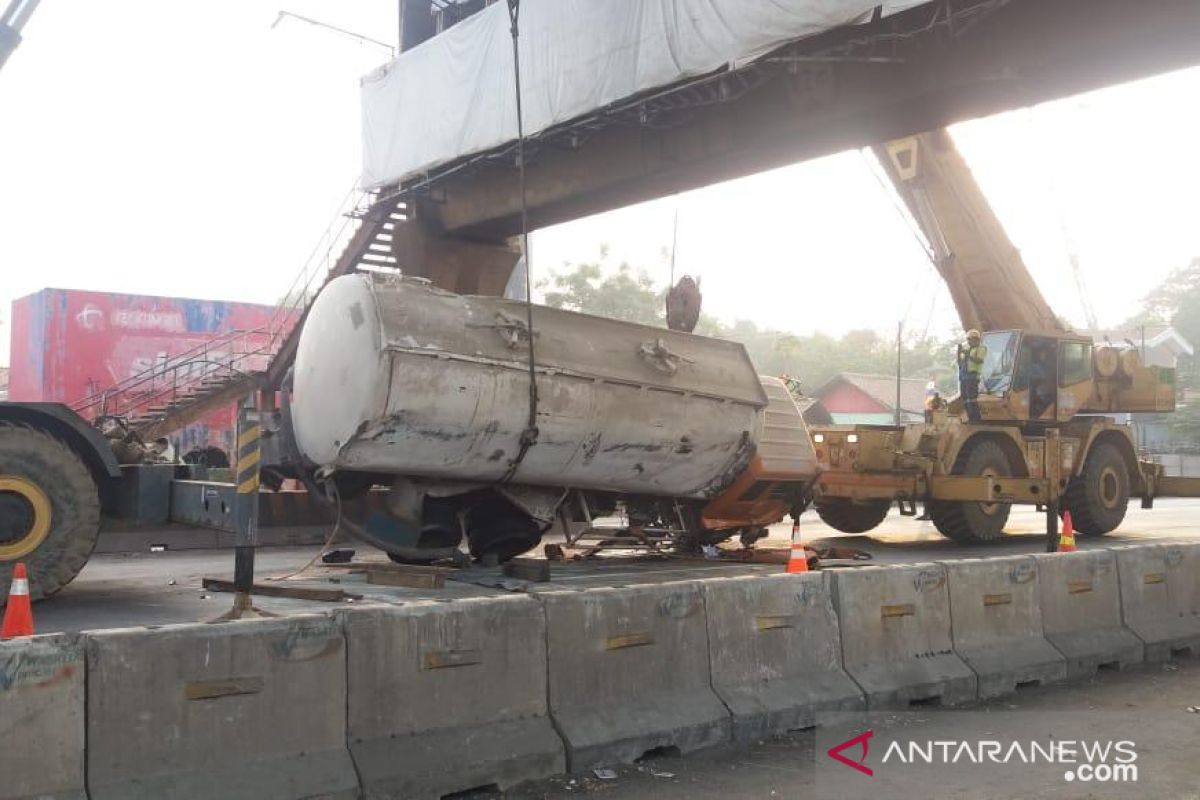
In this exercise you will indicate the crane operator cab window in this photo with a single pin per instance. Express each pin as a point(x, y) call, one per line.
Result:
point(998, 365)
point(1074, 376)
point(1076, 362)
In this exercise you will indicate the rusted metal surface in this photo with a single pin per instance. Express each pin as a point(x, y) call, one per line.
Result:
point(192, 408)
point(398, 377)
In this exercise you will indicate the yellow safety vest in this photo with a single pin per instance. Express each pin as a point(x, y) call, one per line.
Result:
point(975, 357)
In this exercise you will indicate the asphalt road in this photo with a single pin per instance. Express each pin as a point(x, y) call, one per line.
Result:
point(157, 588)
point(1146, 707)
point(905, 539)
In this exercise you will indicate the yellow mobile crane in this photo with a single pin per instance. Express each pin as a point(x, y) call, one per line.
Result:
point(1045, 399)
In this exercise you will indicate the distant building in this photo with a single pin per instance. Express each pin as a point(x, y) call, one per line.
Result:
point(3, 383)
point(813, 412)
point(854, 398)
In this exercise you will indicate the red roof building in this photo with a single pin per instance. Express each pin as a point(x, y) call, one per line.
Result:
point(853, 398)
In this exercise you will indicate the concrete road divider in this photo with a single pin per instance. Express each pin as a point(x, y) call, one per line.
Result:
point(1081, 611)
point(446, 697)
point(1160, 597)
point(996, 621)
point(42, 718)
point(895, 626)
point(629, 672)
point(253, 709)
point(776, 653)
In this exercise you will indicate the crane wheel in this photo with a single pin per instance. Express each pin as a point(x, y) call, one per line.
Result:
point(968, 523)
point(1099, 495)
point(848, 516)
point(49, 510)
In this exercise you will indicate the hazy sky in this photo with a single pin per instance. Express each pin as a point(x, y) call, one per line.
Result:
point(189, 149)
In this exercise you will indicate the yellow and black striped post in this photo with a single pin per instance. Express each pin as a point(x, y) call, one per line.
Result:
point(245, 502)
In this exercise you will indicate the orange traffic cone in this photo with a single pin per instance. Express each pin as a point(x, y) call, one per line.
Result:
point(798, 560)
point(18, 614)
point(1066, 540)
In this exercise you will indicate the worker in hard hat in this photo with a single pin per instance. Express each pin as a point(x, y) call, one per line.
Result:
point(933, 399)
point(970, 368)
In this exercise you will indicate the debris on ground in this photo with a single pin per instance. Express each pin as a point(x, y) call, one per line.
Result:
point(605, 774)
point(342, 555)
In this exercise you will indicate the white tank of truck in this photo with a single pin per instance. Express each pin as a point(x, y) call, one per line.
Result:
point(395, 376)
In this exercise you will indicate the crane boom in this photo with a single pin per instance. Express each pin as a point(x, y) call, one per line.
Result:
point(11, 22)
point(988, 281)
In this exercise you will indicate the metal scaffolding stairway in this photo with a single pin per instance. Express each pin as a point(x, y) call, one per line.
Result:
point(369, 248)
point(183, 388)
point(179, 389)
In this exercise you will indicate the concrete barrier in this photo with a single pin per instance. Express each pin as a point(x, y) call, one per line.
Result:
point(776, 653)
point(253, 709)
point(41, 718)
point(445, 697)
point(1160, 597)
point(895, 625)
point(1081, 611)
point(629, 672)
point(996, 622)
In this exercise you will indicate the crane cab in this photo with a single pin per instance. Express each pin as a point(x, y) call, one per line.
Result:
point(1049, 378)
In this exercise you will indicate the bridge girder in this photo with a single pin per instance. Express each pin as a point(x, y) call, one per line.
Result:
point(925, 68)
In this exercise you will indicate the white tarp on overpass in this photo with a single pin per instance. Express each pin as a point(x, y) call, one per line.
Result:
point(453, 95)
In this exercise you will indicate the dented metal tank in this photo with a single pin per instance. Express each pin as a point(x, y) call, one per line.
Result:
point(396, 376)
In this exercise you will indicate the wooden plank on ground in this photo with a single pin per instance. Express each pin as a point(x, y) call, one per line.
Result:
point(291, 592)
point(411, 576)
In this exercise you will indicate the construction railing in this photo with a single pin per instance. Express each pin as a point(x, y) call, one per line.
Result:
point(204, 371)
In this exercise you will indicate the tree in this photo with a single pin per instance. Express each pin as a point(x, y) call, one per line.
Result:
point(813, 359)
point(1176, 302)
point(625, 295)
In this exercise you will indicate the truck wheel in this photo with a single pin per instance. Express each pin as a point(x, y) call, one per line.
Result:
point(499, 532)
point(848, 516)
point(440, 531)
point(967, 523)
point(49, 510)
point(1098, 496)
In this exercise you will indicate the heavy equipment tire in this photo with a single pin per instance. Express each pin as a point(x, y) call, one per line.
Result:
point(49, 510)
point(498, 531)
point(967, 523)
point(848, 516)
point(1098, 497)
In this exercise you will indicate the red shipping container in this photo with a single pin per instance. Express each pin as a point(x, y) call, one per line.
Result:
point(68, 345)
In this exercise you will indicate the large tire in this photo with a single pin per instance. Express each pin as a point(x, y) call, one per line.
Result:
point(498, 531)
point(848, 516)
point(36, 468)
point(1098, 497)
point(968, 523)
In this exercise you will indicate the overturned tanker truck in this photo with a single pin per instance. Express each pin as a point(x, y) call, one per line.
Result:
point(401, 385)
